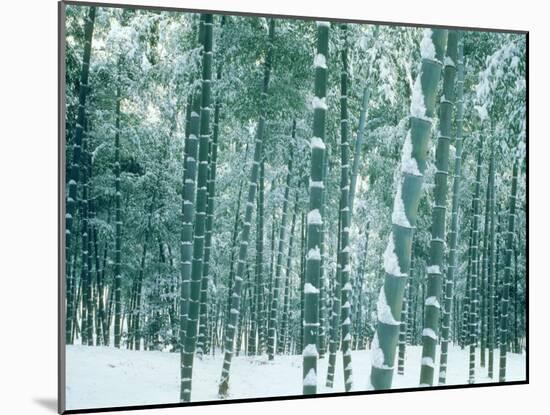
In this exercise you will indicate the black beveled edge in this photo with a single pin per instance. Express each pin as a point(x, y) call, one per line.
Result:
point(287, 16)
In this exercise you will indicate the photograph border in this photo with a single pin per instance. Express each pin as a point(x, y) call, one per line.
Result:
point(61, 383)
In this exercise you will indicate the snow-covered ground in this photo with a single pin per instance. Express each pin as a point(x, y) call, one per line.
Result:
point(105, 376)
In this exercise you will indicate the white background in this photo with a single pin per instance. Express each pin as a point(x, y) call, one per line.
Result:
point(28, 204)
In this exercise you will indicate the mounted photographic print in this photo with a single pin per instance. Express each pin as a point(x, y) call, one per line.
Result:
point(258, 207)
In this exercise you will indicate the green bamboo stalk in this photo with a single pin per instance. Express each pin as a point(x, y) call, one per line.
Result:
point(286, 316)
point(503, 346)
point(360, 278)
point(245, 234)
point(322, 340)
point(474, 308)
point(74, 174)
point(200, 214)
point(453, 234)
point(485, 268)
point(430, 331)
point(402, 340)
point(336, 309)
point(260, 280)
point(314, 218)
point(345, 212)
point(273, 337)
point(85, 273)
point(118, 226)
point(397, 256)
point(491, 270)
point(211, 190)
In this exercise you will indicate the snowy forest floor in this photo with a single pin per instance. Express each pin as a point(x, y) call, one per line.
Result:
point(105, 376)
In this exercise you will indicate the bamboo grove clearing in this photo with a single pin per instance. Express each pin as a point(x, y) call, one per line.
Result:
point(295, 191)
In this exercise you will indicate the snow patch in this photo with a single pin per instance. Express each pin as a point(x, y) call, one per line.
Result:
point(384, 311)
point(433, 269)
point(427, 47)
point(319, 103)
point(377, 354)
point(310, 289)
point(399, 217)
point(429, 333)
point(318, 184)
point(408, 162)
point(314, 217)
point(317, 143)
point(310, 350)
point(311, 378)
point(418, 107)
point(428, 361)
point(391, 264)
point(432, 301)
point(320, 61)
point(314, 254)
point(449, 61)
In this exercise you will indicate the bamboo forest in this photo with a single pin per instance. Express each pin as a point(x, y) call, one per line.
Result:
point(265, 206)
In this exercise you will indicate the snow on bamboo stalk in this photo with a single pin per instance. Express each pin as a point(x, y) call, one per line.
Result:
point(503, 338)
point(345, 214)
point(245, 233)
point(453, 234)
point(473, 299)
point(200, 214)
point(272, 336)
point(74, 173)
point(430, 330)
point(314, 219)
point(397, 255)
